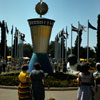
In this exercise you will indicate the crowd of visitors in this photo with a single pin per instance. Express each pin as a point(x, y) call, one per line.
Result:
point(14, 65)
point(31, 86)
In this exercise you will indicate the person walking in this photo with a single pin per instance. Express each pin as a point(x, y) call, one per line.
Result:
point(97, 82)
point(37, 76)
point(85, 81)
point(24, 85)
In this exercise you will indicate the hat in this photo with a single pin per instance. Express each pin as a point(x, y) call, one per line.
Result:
point(98, 66)
point(51, 99)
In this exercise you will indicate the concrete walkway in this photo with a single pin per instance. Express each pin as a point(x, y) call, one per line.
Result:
point(11, 94)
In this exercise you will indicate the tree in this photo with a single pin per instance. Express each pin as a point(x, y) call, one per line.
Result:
point(98, 39)
point(3, 39)
point(76, 42)
point(51, 49)
point(83, 52)
point(27, 50)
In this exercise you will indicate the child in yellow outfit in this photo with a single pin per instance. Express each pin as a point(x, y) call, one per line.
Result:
point(24, 85)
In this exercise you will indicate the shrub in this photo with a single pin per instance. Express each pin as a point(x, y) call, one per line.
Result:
point(9, 80)
point(52, 80)
point(60, 80)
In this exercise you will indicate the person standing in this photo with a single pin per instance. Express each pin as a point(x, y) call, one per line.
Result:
point(0, 68)
point(97, 82)
point(85, 81)
point(3, 67)
point(24, 85)
point(37, 76)
point(0, 65)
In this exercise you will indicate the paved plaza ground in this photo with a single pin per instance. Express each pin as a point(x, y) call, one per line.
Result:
point(11, 94)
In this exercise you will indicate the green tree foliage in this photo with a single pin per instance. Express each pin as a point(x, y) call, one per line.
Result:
point(51, 48)
point(98, 39)
point(76, 42)
point(27, 50)
point(95, 47)
point(83, 52)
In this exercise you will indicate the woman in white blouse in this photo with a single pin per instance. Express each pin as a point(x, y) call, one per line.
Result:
point(97, 82)
point(85, 81)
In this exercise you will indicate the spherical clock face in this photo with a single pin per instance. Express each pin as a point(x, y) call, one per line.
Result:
point(41, 8)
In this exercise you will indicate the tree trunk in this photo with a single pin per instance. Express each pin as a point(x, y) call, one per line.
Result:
point(98, 39)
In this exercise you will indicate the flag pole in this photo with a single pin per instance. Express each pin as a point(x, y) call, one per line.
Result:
point(60, 50)
point(5, 44)
point(56, 47)
point(12, 42)
point(60, 47)
point(11, 47)
point(18, 44)
point(88, 43)
point(66, 43)
point(71, 38)
point(15, 45)
point(62, 41)
point(78, 41)
point(15, 48)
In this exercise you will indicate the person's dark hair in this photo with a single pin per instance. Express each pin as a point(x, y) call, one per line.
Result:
point(37, 66)
point(72, 59)
point(79, 67)
point(98, 66)
point(84, 67)
point(25, 67)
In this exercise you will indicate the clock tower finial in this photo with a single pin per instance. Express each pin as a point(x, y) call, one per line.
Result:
point(41, 8)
